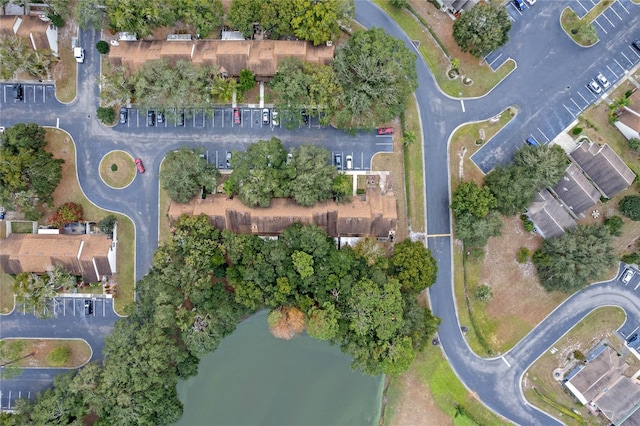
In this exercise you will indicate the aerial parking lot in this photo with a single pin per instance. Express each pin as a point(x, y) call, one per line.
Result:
point(28, 93)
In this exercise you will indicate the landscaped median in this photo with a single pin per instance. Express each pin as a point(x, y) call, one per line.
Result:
point(581, 30)
point(117, 169)
point(18, 353)
point(61, 145)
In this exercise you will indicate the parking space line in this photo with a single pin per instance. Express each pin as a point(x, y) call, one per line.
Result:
point(497, 57)
point(636, 287)
point(568, 110)
point(607, 18)
point(585, 9)
point(603, 30)
point(584, 99)
point(609, 68)
point(622, 6)
point(625, 56)
point(621, 67)
point(577, 106)
point(614, 11)
point(542, 133)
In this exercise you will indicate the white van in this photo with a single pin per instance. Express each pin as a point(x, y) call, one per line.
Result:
point(78, 53)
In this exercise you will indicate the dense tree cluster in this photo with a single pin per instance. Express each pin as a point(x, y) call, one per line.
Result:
point(316, 21)
point(144, 16)
point(17, 56)
point(482, 29)
point(534, 167)
point(28, 173)
point(475, 217)
point(573, 260)
point(184, 173)
point(186, 306)
point(629, 206)
point(35, 292)
point(265, 171)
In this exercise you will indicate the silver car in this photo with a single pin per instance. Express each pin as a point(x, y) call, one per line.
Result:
point(594, 87)
point(603, 81)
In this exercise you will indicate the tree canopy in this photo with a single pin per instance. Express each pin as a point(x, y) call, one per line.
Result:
point(29, 174)
point(573, 260)
point(475, 219)
point(482, 29)
point(184, 173)
point(629, 206)
point(377, 73)
point(473, 199)
point(203, 282)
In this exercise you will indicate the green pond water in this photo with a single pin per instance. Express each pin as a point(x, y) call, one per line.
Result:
point(255, 379)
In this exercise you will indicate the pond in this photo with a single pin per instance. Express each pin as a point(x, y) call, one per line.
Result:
point(255, 379)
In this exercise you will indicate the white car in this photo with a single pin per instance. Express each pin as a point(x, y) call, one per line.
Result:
point(265, 117)
point(349, 160)
point(594, 87)
point(627, 275)
point(531, 2)
point(274, 118)
point(603, 81)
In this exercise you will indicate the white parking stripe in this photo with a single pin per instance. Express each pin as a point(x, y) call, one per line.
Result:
point(625, 9)
point(584, 99)
point(605, 31)
point(498, 57)
point(505, 361)
point(568, 110)
point(585, 9)
point(542, 133)
point(609, 68)
point(614, 11)
point(621, 67)
point(607, 18)
point(574, 102)
point(625, 56)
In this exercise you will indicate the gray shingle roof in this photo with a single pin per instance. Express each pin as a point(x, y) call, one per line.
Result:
point(549, 216)
point(575, 190)
point(610, 174)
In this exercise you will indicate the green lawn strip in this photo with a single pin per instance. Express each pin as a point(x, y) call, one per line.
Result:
point(20, 227)
point(414, 173)
point(125, 259)
point(484, 79)
point(34, 353)
point(571, 22)
point(448, 392)
point(6, 292)
point(549, 394)
point(164, 230)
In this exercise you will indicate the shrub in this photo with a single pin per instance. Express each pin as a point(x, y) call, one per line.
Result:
point(67, 213)
point(523, 255)
point(631, 258)
point(399, 4)
point(56, 20)
point(634, 144)
point(106, 225)
point(576, 130)
point(482, 293)
point(103, 47)
point(59, 356)
point(114, 167)
point(628, 93)
point(526, 222)
point(614, 224)
point(579, 356)
point(246, 80)
point(106, 115)
point(629, 206)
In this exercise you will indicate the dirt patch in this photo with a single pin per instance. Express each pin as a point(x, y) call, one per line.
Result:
point(417, 407)
point(519, 302)
point(65, 70)
point(35, 351)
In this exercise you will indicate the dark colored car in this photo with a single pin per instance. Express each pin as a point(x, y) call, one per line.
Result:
point(632, 338)
point(228, 160)
point(385, 131)
point(636, 44)
point(123, 115)
point(180, 119)
point(338, 161)
point(519, 4)
point(88, 307)
point(532, 141)
point(151, 118)
point(139, 165)
point(236, 116)
point(1, 213)
point(305, 117)
point(18, 92)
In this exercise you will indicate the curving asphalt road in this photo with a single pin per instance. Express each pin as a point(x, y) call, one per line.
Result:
point(536, 88)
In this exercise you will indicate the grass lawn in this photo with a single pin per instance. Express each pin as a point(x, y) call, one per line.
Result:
point(65, 71)
point(60, 144)
point(35, 352)
point(125, 169)
point(484, 79)
point(571, 23)
point(594, 328)
point(6, 293)
point(431, 373)
point(21, 227)
point(164, 230)
point(414, 173)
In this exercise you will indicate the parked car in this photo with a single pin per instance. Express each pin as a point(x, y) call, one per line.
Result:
point(305, 116)
point(627, 275)
point(139, 166)
point(385, 131)
point(18, 92)
point(2, 212)
point(236, 116)
point(88, 307)
point(532, 141)
point(519, 4)
point(180, 119)
point(265, 117)
point(123, 115)
point(274, 118)
point(602, 80)
point(349, 160)
point(228, 160)
point(337, 159)
point(160, 117)
point(632, 338)
point(636, 44)
point(594, 87)
point(531, 2)
point(151, 118)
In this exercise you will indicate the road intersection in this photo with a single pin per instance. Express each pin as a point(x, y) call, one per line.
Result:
point(537, 88)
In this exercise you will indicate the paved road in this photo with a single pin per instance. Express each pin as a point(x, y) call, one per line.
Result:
point(531, 88)
point(68, 321)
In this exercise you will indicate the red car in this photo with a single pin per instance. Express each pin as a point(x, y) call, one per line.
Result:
point(236, 116)
point(385, 131)
point(139, 165)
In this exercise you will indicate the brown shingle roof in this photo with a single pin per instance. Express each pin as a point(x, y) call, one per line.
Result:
point(376, 216)
point(610, 174)
point(259, 56)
